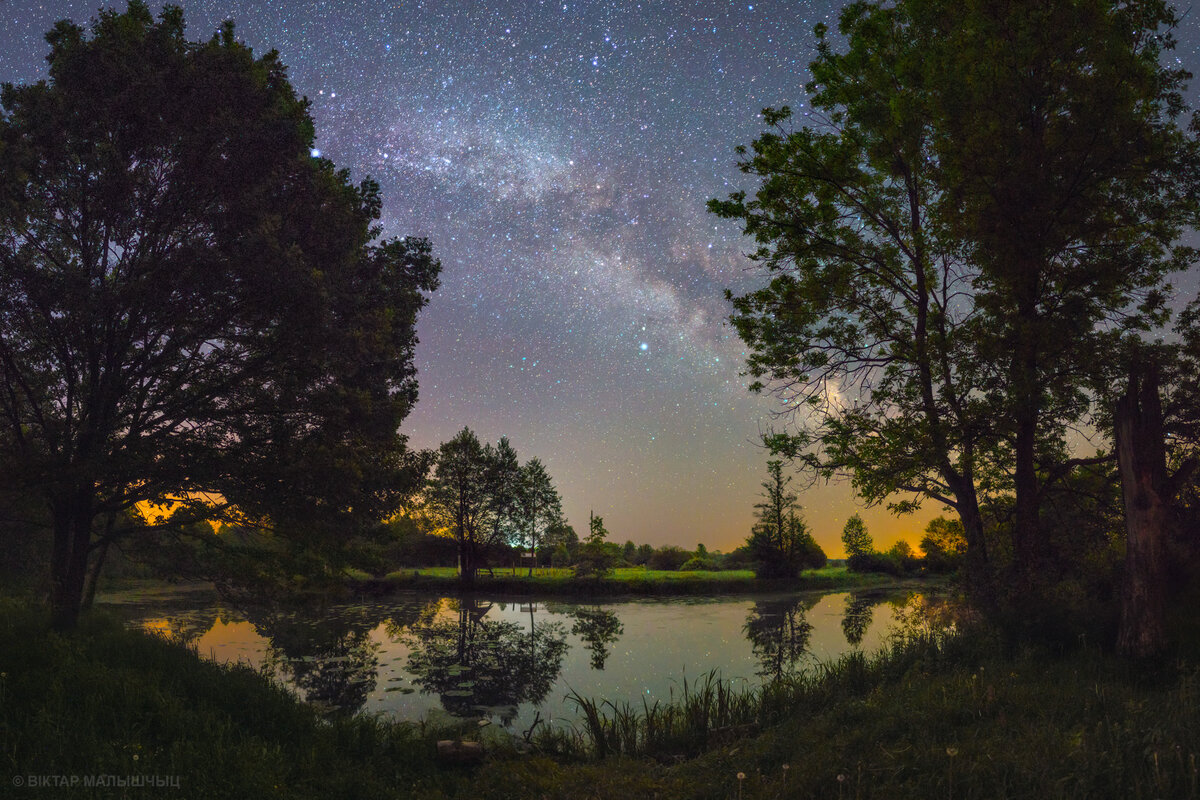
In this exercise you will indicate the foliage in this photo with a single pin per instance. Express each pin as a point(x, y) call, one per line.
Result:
point(474, 495)
point(956, 239)
point(668, 556)
point(596, 531)
point(538, 506)
point(943, 544)
point(1062, 131)
point(855, 537)
point(780, 541)
point(192, 308)
point(597, 559)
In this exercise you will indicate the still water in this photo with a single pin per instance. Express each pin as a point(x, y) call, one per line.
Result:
point(511, 661)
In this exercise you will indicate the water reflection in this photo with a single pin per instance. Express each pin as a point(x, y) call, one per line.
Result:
point(598, 628)
point(330, 658)
point(479, 665)
point(860, 609)
point(779, 631)
point(416, 657)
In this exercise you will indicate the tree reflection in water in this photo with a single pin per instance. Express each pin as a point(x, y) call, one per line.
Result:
point(598, 628)
point(860, 609)
point(477, 665)
point(778, 632)
point(327, 654)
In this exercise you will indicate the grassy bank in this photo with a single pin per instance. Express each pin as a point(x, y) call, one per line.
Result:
point(109, 701)
point(634, 581)
point(931, 718)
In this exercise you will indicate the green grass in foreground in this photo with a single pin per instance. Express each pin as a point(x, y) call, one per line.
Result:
point(633, 580)
point(932, 718)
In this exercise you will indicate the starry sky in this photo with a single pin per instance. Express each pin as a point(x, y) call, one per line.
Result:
point(559, 156)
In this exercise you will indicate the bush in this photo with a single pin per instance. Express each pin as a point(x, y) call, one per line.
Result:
point(669, 557)
point(597, 560)
point(875, 562)
point(698, 563)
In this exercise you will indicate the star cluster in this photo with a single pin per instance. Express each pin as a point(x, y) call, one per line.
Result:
point(559, 156)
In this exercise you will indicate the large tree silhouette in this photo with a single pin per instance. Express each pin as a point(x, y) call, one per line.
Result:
point(984, 198)
point(192, 307)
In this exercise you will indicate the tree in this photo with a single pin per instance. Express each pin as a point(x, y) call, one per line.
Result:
point(865, 331)
point(192, 310)
point(943, 544)
point(470, 494)
point(1057, 126)
point(562, 543)
point(597, 533)
point(954, 251)
point(629, 551)
point(597, 557)
point(856, 539)
point(778, 539)
point(538, 505)
point(504, 478)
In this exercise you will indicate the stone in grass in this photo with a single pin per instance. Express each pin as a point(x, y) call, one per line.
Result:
point(453, 751)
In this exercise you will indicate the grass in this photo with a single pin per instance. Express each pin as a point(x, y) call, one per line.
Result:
point(110, 701)
point(629, 581)
point(931, 717)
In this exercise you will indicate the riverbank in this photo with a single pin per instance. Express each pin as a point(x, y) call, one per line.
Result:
point(935, 717)
point(631, 582)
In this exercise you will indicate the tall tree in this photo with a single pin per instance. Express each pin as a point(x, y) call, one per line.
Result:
point(993, 196)
point(191, 306)
point(780, 540)
point(538, 505)
point(855, 537)
point(503, 478)
point(1058, 129)
point(473, 494)
point(866, 329)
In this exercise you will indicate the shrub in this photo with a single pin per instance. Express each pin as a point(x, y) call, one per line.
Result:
point(669, 557)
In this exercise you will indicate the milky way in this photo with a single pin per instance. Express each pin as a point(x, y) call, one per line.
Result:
point(559, 157)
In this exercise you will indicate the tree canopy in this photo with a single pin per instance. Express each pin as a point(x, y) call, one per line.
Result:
point(192, 307)
point(983, 200)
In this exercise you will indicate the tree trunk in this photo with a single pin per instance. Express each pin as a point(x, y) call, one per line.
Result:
point(979, 577)
point(1141, 458)
point(466, 561)
point(69, 562)
point(1027, 391)
point(93, 579)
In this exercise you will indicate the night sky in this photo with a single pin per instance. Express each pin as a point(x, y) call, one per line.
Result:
point(559, 156)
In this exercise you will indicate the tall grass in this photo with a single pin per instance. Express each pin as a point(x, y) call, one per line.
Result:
point(711, 711)
point(104, 700)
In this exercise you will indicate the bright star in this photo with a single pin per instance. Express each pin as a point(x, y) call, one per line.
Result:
point(643, 346)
